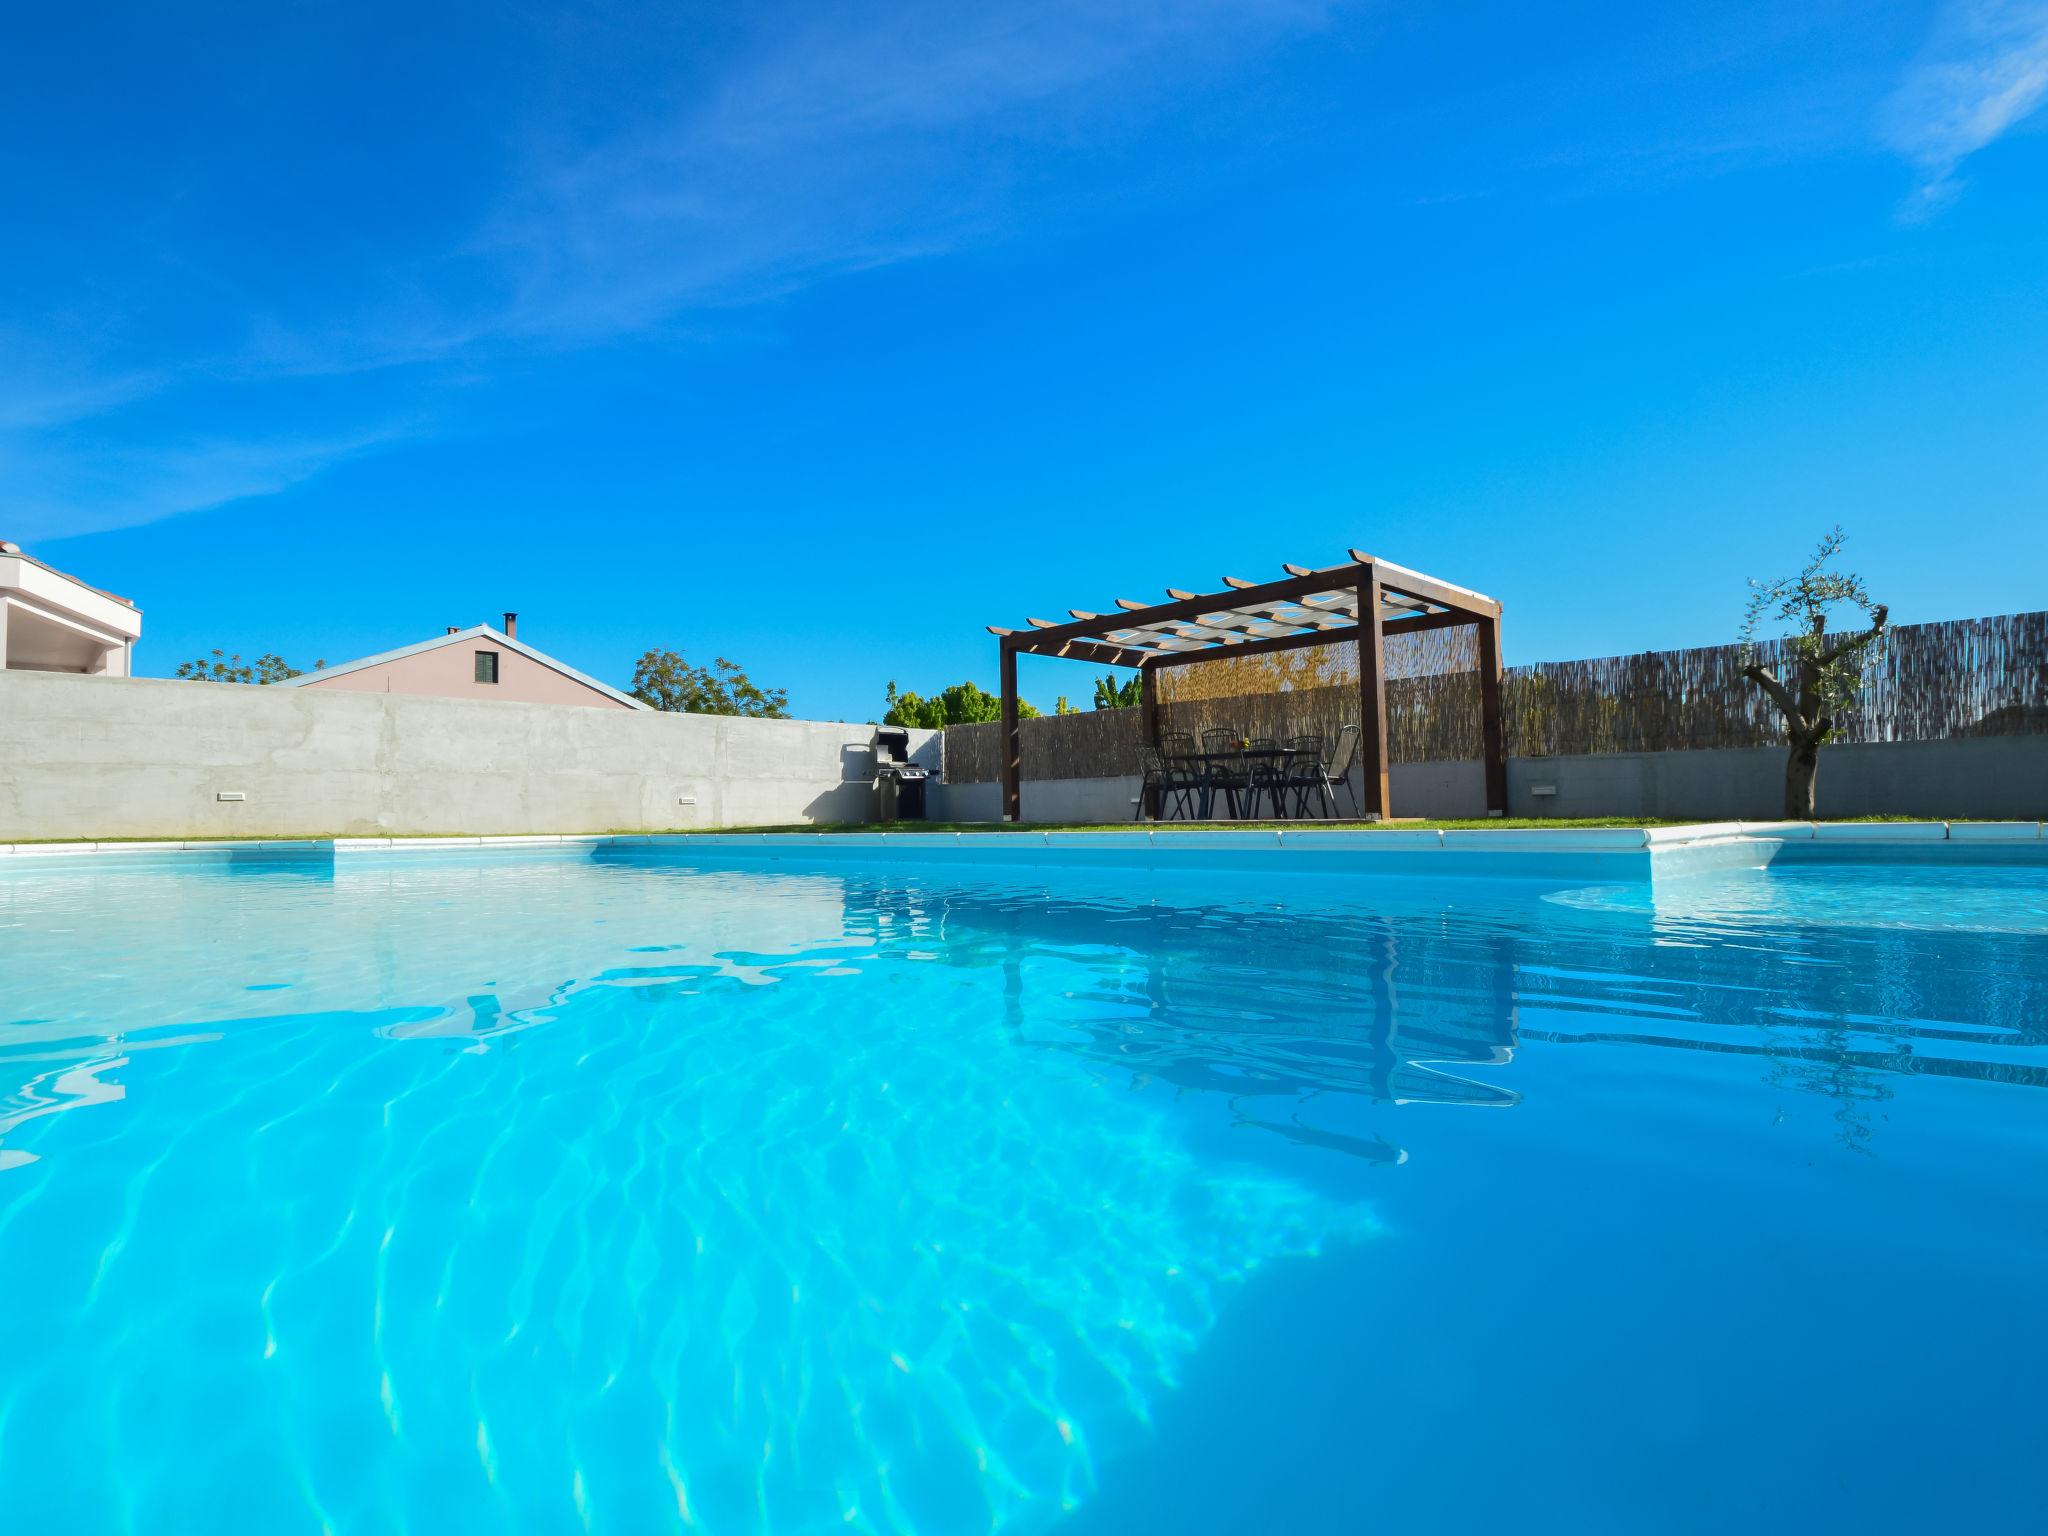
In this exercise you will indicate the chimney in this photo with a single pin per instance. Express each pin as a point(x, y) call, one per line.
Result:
point(511, 626)
point(453, 630)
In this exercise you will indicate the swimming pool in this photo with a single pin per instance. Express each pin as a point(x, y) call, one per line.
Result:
point(639, 1190)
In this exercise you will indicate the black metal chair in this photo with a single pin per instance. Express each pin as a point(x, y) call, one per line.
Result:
point(1303, 771)
point(1334, 774)
point(1265, 771)
point(1166, 782)
point(1228, 773)
point(1183, 757)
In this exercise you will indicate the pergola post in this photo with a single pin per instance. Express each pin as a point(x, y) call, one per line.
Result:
point(1372, 697)
point(1012, 745)
point(1148, 726)
point(1493, 746)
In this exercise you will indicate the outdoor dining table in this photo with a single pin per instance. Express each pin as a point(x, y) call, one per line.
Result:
point(1237, 756)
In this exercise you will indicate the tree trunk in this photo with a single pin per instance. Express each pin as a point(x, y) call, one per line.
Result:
point(1800, 768)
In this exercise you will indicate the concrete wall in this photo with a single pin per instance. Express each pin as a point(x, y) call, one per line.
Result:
point(1444, 791)
point(95, 757)
point(1103, 800)
point(1986, 777)
point(1983, 777)
point(102, 758)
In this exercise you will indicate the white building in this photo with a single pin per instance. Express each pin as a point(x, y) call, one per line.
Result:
point(50, 622)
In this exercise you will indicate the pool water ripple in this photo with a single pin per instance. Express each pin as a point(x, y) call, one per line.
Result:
point(626, 1194)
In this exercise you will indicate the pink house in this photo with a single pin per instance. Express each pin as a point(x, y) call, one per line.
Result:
point(476, 663)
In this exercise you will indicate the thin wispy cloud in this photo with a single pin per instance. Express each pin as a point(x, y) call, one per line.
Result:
point(856, 143)
point(1984, 71)
point(62, 491)
point(89, 443)
point(850, 143)
point(30, 403)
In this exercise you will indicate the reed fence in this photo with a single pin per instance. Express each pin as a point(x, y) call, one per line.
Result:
point(1962, 677)
point(1100, 743)
point(1928, 682)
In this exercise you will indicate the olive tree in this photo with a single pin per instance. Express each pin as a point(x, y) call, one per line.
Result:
point(1814, 675)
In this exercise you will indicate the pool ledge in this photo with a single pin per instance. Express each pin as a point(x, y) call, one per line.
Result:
point(1610, 852)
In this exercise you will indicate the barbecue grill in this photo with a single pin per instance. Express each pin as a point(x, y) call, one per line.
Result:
point(899, 783)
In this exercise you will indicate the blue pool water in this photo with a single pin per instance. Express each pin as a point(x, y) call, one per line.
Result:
point(621, 1193)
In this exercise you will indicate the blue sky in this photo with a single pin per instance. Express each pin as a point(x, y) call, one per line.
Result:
point(822, 336)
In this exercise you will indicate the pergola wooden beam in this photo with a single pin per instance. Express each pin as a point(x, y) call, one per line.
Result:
point(1084, 650)
point(1336, 636)
point(1192, 606)
point(1398, 578)
point(1241, 620)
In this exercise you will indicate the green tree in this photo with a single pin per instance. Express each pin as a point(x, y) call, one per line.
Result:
point(221, 667)
point(1111, 694)
point(961, 704)
point(664, 680)
point(1815, 676)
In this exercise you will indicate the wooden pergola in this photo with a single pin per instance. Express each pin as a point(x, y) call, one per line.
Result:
point(1363, 600)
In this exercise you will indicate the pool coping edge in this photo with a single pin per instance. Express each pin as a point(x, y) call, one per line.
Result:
point(1728, 835)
